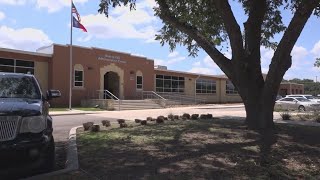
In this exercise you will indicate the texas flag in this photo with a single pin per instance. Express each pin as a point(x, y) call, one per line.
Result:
point(76, 22)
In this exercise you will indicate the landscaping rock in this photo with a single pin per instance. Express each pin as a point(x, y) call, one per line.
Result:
point(194, 116)
point(209, 116)
point(143, 122)
point(87, 125)
point(170, 116)
point(186, 115)
point(203, 116)
point(176, 117)
point(121, 121)
point(95, 128)
point(123, 125)
point(149, 118)
point(137, 120)
point(106, 123)
point(183, 118)
point(160, 119)
point(166, 118)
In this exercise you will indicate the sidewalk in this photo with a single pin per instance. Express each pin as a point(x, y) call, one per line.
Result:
point(184, 108)
point(228, 111)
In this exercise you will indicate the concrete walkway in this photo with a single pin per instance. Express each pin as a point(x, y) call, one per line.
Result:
point(225, 111)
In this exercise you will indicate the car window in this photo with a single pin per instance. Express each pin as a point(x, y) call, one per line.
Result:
point(19, 87)
point(287, 99)
point(302, 99)
point(310, 97)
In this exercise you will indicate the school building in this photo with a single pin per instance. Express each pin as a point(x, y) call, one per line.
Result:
point(105, 77)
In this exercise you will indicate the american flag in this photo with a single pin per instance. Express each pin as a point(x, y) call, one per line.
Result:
point(74, 10)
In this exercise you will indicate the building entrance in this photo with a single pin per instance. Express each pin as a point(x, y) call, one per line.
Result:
point(112, 83)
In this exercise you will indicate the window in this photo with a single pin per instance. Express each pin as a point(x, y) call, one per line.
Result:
point(169, 84)
point(204, 86)
point(287, 99)
point(139, 82)
point(16, 66)
point(78, 76)
point(230, 88)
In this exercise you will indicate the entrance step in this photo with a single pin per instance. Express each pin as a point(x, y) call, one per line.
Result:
point(137, 105)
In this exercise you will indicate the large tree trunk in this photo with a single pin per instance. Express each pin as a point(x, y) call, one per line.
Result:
point(259, 116)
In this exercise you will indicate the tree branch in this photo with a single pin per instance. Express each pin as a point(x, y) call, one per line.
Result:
point(232, 27)
point(282, 59)
point(253, 27)
point(223, 62)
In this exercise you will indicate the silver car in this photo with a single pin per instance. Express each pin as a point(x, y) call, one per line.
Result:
point(297, 103)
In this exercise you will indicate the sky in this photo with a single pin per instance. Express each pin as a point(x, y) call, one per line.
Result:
point(30, 24)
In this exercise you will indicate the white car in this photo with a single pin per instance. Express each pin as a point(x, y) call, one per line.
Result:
point(307, 96)
point(298, 103)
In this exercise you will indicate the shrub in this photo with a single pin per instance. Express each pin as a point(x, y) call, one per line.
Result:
point(194, 116)
point(137, 120)
point(186, 115)
point(123, 125)
point(95, 128)
point(121, 121)
point(149, 118)
point(285, 115)
point(143, 122)
point(87, 125)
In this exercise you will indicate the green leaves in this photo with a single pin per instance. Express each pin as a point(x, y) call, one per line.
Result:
point(317, 63)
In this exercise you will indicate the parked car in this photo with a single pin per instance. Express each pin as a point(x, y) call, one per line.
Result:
point(25, 125)
point(296, 103)
point(307, 96)
point(278, 97)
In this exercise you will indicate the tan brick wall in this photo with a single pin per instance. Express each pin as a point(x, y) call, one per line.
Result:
point(41, 73)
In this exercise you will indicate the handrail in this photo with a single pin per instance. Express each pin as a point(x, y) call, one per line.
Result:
point(109, 93)
point(112, 96)
point(182, 98)
point(156, 94)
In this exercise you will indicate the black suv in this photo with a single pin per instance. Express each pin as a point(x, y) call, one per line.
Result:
point(25, 125)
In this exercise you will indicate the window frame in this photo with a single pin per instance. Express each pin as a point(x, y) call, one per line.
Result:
point(74, 78)
point(139, 83)
point(206, 86)
point(174, 84)
point(233, 90)
point(15, 67)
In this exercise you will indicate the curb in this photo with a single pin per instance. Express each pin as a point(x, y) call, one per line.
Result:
point(70, 114)
point(72, 162)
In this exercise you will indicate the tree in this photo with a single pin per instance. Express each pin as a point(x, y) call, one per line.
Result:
point(211, 24)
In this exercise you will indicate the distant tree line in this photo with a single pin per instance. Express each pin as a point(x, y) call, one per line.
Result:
point(310, 87)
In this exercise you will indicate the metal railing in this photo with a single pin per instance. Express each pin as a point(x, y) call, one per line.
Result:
point(152, 96)
point(178, 98)
point(105, 94)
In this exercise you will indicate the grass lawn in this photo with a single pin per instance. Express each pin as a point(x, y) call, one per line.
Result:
point(200, 149)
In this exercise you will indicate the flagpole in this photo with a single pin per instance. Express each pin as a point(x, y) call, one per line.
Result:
point(70, 87)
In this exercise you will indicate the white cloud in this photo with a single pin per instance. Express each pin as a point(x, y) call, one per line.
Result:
point(13, 2)
point(2, 15)
point(123, 24)
point(23, 39)
point(198, 63)
point(202, 70)
point(173, 54)
point(299, 55)
point(56, 5)
point(316, 49)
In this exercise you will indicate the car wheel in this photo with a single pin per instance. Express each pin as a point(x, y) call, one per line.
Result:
point(301, 108)
point(49, 157)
